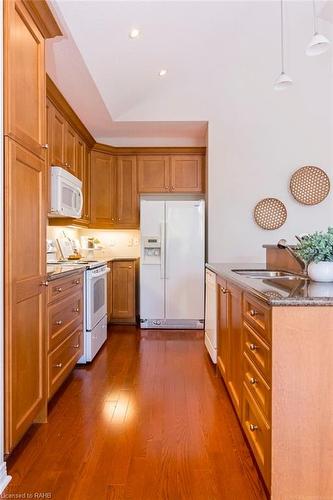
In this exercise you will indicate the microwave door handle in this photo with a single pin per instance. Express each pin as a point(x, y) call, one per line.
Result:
point(79, 191)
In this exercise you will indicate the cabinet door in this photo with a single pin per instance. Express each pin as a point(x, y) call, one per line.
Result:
point(223, 328)
point(102, 186)
point(187, 173)
point(154, 174)
point(123, 291)
point(57, 142)
point(234, 371)
point(127, 193)
point(24, 79)
point(70, 149)
point(25, 338)
point(109, 291)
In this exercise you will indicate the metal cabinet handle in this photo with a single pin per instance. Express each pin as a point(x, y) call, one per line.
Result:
point(59, 289)
point(253, 427)
point(76, 282)
point(45, 146)
point(58, 365)
point(253, 312)
point(76, 310)
point(59, 322)
point(253, 381)
point(44, 283)
point(76, 346)
point(253, 347)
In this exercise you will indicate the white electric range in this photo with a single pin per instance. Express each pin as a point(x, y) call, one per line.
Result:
point(95, 306)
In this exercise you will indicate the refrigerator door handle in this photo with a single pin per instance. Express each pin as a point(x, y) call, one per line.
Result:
point(162, 232)
point(165, 250)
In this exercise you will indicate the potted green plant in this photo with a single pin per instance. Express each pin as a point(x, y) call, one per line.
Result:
point(316, 250)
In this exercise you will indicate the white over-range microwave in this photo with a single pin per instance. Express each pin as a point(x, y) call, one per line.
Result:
point(66, 194)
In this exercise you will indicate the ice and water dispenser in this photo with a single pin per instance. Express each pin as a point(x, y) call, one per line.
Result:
point(152, 250)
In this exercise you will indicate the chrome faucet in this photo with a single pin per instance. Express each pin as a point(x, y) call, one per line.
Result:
point(283, 245)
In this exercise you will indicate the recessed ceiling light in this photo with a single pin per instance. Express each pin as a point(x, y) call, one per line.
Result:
point(134, 33)
point(163, 72)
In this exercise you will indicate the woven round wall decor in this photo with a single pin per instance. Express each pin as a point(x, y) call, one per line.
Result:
point(309, 185)
point(270, 213)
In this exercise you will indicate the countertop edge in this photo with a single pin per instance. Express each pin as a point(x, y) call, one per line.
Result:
point(282, 302)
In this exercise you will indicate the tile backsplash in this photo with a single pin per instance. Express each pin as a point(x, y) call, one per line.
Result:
point(114, 243)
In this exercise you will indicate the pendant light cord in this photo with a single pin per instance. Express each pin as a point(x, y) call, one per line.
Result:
point(315, 27)
point(282, 38)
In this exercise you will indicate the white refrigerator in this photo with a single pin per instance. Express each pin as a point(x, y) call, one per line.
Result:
point(172, 264)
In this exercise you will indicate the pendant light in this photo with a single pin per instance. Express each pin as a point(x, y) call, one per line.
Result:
point(283, 81)
point(319, 43)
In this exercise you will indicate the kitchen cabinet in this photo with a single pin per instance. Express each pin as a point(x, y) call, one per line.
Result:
point(114, 198)
point(24, 84)
point(25, 233)
point(83, 172)
point(124, 291)
point(26, 24)
point(70, 150)
point(64, 328)
point(154, 174)
point(171, 173)
point(187, 174)
point(57, 137)
point(223, 327)
point(103, 190)
point(234, 372)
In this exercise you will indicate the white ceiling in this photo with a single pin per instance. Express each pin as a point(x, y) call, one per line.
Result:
point(208, 47)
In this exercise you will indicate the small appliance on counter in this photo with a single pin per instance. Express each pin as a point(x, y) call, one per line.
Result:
point(66, 194)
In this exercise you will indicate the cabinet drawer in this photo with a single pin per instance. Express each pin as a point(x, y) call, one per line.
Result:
point(258, 352)
point(62, 360)
point(258, 315)
point(258, 434)
point(63, 286)
point(257, 386)
point(63, 317)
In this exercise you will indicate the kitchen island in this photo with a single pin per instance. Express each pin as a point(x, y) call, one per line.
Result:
point(275, 350)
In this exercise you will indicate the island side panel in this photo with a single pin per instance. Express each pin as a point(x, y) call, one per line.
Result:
point(302, 402)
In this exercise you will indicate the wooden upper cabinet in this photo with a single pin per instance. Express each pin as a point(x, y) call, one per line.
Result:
point(187, 173)
point(83, 169)
point(24, 74)
point(154, 174)
point(127, 193)
point(70, 150)
point(24, 301)
point(57, 137)
point(103, 190)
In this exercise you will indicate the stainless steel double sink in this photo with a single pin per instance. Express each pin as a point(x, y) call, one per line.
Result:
point(270, 274)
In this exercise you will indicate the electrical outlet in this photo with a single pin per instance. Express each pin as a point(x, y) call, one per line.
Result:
point(136, 242)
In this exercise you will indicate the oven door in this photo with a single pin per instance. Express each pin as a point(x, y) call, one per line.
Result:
point(96, 305)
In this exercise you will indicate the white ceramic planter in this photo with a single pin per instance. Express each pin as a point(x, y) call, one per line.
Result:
point(321, 271)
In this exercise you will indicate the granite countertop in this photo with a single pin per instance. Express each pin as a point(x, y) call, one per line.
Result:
point(277, 292)
point(55, 271)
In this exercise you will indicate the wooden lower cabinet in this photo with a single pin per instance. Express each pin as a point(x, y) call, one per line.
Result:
point(123, 301)
point(65, 328)
point(244, 361)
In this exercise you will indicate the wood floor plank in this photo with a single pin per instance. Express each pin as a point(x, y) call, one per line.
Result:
point(147, 420)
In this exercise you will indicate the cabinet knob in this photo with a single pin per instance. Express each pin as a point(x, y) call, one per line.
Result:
point(59, 322)
point(253, 381)
point(44, 283)
point(66, 164)
point(58, 365)
point(253, 427)
point(129, 267)
point(118, 218)
point(76, 310)
point(59, 289)
point(45, 146)
point(76, 282)
point(253, 347)
point(253, 312)
point(224, 290)
point(76, 346)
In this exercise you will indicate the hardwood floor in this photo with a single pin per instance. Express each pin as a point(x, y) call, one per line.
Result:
point(147, 420)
